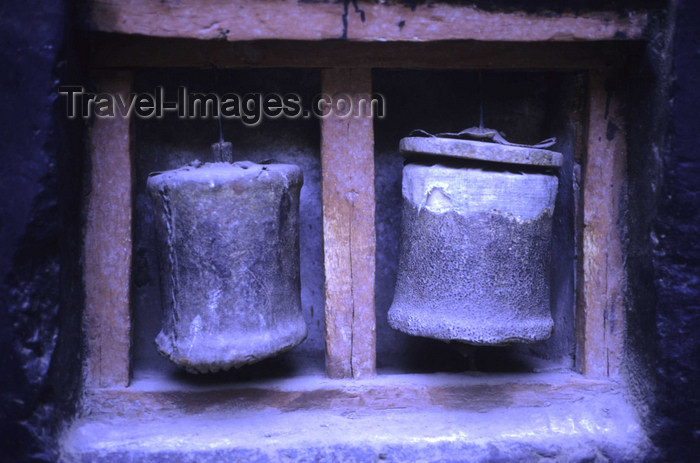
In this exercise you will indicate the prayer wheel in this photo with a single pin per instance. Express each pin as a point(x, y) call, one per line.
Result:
point(228, 246)
point(476, 238)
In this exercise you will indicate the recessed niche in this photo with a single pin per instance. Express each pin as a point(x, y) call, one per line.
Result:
point(527, 107)
point(172, 142)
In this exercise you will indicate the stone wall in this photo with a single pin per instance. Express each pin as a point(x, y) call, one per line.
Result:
point(40, 284)
point(676, 250)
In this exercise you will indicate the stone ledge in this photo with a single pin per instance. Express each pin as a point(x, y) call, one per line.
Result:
point(438, 417)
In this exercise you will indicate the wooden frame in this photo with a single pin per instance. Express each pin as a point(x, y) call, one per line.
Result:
point(348, 193)
point(600, 315)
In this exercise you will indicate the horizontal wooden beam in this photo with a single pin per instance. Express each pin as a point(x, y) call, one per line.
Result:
point(130, 51)
point(236, 20)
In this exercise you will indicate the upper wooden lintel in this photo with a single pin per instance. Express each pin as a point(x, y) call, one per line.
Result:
point(136, 51)
point(245, 20)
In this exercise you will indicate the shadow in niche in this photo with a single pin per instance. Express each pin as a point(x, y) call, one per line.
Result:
point(503, 360)
point(425, 355)
point(279, 367)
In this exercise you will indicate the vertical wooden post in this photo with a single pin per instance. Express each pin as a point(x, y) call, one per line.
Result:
point(108, 243)
point(600, 320)
point(347, 166)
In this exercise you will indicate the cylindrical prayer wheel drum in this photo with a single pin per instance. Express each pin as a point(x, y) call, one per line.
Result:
point(228, 240)
point(476, 239)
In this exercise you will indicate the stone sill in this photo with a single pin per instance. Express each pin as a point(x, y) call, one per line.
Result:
point(426, 417)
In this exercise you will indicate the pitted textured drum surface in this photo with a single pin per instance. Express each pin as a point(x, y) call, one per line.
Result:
point(475, 255)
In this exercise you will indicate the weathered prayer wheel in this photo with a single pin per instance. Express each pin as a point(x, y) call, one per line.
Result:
point(476, 238)
point(228, 246)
